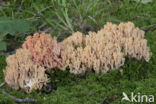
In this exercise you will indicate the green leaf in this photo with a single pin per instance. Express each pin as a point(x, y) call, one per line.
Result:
point(2, 35)
point(2, 46)
point(13, 26)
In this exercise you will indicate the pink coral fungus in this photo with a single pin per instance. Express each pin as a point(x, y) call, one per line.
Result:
point(44, 49)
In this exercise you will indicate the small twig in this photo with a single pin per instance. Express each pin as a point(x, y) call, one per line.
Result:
point(92, 19)
point(18, 99)
point(11, 52)
point(147, 28)
point(2, 84)
point(104, 100)
point(47, 30)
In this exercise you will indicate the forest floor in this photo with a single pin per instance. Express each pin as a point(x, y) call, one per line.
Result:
point(61, 19)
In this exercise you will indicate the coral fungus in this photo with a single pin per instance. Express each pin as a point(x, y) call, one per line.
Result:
point(137, 48)
point(106, 49)
point(76, 39)
point(130, 39)
point(22, 73)
point(102, 51)
point(44, 49)
point(98, 55)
